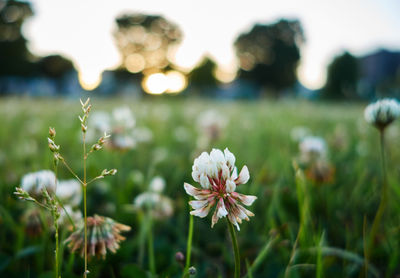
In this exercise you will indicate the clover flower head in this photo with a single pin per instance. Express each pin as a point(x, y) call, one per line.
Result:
point(382, 112)
point(211, 123)
point(312, 148)
point(104, 233)
point(70, 192)
point(35, 182)
point(123, 118)
point(217, 175)
point(157, 204)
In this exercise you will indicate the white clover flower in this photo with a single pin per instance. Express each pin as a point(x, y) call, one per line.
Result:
point(157, 184)
point(123, 117)
point(75, 215)
point(382, 112)
point(35, 182)
point(99, 122)
point(211, 123)
point(217, 175)
point(312, 148)
point(69, 192)
point(159, 206)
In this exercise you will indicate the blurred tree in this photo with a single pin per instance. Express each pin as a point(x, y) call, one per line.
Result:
point(55, 66)
point(144, 41)
point(269, 54)
point(203, 74)
point(342, 77)
point(15, 58)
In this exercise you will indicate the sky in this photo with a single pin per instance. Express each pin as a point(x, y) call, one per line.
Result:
point(82, 29)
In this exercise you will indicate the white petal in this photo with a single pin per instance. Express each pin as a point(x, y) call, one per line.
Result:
point(202, 212)
point(232, 219)
point(230, 186)
point(225, 171)
point(217, 156)
point(247, 200)
point(230, 158)
point(244, 176)
point(222, 212)
point(198, 204)
point(205, 183)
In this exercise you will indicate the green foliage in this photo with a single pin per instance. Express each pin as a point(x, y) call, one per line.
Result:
point(259, 136)
point(269, 54)
point(343, 74)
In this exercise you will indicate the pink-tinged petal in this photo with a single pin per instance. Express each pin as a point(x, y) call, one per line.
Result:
point(246, 211)
point(232, 219)
point(203, 212)
point(198, 204)
point(214, 219)
point(247, 200)
point(239, 214)
point(198, 194)
point(221, 210)
point(244, 176)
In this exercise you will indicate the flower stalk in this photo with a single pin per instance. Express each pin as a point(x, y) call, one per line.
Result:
point(235, 249)
point(189, 245)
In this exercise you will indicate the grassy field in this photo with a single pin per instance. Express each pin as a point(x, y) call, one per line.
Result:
point(334, 217)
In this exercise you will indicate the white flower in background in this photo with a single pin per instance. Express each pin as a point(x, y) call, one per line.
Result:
point(122, 141)
point(69, 192)
point(210, 124)
point(181, 134)
point(35, 182)
point(312, 148)
point(123, 118)
point(99, 122)
point(217, 175)
point(75, 215)
point(298, 133)
point(382, 112)
point(157, 184)
point(158, 205)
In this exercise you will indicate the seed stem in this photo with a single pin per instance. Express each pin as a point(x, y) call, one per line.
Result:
point(85, 202)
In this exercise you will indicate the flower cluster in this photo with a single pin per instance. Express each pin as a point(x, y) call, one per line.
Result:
point(34, 183)
point(121, 123)
point(104, 233)
point(382, 113)
point(313, 158)
point(217, 175)
point(210, 124)
point(158, 205)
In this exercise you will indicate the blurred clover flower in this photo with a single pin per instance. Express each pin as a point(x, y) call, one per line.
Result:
point(121, 123)
point(68, 214)
point(312, 148)
point(158, 205)
point(313, 158)
point(298, 133)
point(217, 175)
point(103, 233)
point(35, 182)
point(69, 192)
point(210, 124)
point(382, 112)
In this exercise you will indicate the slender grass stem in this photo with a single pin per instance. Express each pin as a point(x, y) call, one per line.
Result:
point(235, 249)
point(85, 202)
point(189, 246)
point(384, 196)
point(55, 219)
point(57, 258)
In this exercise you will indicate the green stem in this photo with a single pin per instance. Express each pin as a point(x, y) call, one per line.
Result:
point(152, 264)
point(85, 202)
point(384, 196)
point(56, 236)
point(235, 249)
point(189, 246)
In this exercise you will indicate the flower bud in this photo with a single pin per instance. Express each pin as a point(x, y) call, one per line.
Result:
point(179, 257)
point(192, 270)
point(52, 132)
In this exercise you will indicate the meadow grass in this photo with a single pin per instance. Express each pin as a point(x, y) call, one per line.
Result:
point(330, 216)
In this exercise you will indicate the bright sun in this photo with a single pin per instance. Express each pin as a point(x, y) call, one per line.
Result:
point(159, 83)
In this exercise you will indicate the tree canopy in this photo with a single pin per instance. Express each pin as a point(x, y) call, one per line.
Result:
point(269, 54)
point(144, 41)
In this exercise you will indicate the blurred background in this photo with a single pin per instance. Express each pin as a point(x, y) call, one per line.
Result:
point(171, 79)
point(314, 49)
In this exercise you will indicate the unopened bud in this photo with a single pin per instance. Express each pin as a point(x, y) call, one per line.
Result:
point(52, 132)
point(179, 257)
point(84, 128)
point(96, 147)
